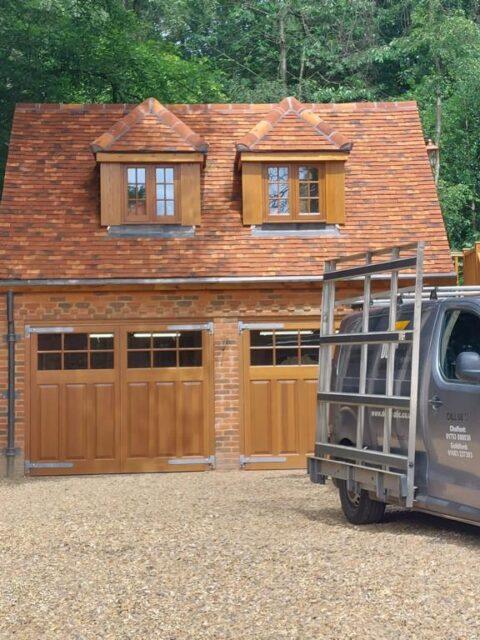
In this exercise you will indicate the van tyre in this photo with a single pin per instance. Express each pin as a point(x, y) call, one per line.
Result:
point(359, 508)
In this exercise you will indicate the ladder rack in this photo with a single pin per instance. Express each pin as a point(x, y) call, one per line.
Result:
point(387, 474)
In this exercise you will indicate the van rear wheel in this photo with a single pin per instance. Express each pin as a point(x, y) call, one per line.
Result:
point(359, 508)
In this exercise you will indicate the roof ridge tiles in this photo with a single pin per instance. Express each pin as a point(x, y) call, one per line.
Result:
point(285, 107)
point(149, 107)
point(42, 107)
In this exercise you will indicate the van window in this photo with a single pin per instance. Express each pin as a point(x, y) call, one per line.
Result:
point(461, 332)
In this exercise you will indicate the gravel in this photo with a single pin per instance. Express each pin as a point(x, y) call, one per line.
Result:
point(244, 555)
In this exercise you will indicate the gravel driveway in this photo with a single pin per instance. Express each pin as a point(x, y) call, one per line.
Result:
point(244, 555)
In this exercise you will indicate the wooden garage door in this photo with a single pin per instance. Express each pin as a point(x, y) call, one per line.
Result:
point(119, 399)
point(165, 399)
point(281, 371)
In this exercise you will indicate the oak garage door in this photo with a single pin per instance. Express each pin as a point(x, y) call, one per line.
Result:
point(281, 371)
point(120, 399)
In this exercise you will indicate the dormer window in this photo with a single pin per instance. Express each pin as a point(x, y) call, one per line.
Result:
point(293, 168)
point(151, 194)
point(294, 192)
point(150, 169)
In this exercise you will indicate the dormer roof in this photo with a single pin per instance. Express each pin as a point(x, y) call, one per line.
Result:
point(150, 127)
point(292, 126)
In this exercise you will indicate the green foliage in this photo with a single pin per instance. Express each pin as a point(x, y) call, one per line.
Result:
point(262, 50)
point(91, 51)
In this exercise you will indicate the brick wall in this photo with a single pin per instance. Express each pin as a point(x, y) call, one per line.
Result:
point(224, 307)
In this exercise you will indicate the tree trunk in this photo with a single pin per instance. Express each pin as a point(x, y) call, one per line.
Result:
point(438, 135)
point(282, 45)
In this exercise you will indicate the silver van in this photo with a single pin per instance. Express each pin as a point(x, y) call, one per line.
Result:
point(367, 445)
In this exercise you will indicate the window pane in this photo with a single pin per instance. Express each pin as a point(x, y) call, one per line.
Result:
point(160, 192)
point(261, 338)
point(286, 338)
point(169, 208)
point(190, 339)
point(138, 359)
point(141, 176)
point(309, 355)
point(314, 206)
point(101, 360)
point(169, 192)
point(191, 358)
point(310, 336)
point(261, 357)
point(303, 206)
point(168, 174)
point(49, 341)
point(167, 340)
point(461, 332)
point(283, 173)
point(139, 340)
point(283, 206)
point(160, 207)
point(304, 193)
point(272, 206)
point(141, 193)
point(100, 341)
point(272, 173)
point(160, 172)
point(164, 358)
point(308, 173)
point(75, 360)
point(75, 341)
point(132, 176)
point(286, 356)
point(49, 361)
point(314, 190)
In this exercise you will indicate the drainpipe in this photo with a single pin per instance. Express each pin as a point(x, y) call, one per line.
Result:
point(11, 451)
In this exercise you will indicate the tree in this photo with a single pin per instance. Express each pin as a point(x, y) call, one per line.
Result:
point(91, 51)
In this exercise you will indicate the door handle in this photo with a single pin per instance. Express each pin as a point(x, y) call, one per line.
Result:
point(435, 403)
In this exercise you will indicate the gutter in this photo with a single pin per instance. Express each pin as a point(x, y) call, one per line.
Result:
point(73, 282)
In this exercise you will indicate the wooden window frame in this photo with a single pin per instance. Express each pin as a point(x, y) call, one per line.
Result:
point(151, 216)
point(89, 352)
point(294, 214)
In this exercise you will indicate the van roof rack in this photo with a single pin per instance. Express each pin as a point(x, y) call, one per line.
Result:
point(428, 293)
point(383, 472)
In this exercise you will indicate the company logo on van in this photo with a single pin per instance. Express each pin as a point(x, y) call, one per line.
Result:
point(397, 414)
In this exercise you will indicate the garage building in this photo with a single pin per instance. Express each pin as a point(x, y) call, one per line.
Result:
point(161, 268)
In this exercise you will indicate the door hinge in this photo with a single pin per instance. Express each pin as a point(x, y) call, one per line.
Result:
point(29, 330)
point(261, 459)
point(48, 465)
point(243, 326)
point(205, 326)
point(209, 460)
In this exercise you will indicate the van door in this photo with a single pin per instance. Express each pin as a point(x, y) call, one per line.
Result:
point(453, 427)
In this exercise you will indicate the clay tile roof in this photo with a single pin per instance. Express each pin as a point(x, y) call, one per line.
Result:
point(291, 125)
point(150, 127)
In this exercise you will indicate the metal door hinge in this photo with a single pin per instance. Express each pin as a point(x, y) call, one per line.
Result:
point(209, 460)
point(205, 326)
point(242, 326)
point(48, 465)
point(261, 459)
point(29, 330)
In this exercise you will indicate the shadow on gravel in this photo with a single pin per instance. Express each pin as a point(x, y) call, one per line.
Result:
point(412, 523)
